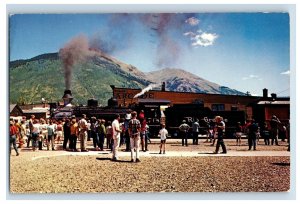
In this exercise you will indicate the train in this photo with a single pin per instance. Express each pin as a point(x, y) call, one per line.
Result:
point(172, 116)
point(191, 112)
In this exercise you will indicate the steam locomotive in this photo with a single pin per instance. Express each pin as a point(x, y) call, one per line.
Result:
point(92, 109)
point(171, 116)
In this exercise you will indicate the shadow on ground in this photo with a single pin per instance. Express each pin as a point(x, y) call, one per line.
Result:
point(281, 164)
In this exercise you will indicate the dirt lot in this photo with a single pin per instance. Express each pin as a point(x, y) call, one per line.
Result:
point(97, 173)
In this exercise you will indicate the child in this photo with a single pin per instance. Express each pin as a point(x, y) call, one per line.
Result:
point(163, 133)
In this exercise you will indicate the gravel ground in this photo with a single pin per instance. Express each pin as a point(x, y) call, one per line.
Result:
point(96, 173)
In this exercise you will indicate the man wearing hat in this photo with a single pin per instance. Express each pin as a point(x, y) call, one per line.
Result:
point(184, 128)
point(83, 133)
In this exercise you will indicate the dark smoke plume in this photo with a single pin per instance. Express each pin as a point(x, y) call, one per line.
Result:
point(76, 50)
point(168, 52)
point(119, 36)
point(161, 24)
point(116, 36)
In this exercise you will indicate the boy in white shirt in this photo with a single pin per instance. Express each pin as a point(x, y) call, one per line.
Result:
point(163, 133)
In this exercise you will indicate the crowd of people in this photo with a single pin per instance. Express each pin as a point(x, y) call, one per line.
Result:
point(131, 131)
point(215, 131)
point(38, 134)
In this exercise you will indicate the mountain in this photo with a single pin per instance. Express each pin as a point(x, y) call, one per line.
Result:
point(43, 77)
point(183, 81)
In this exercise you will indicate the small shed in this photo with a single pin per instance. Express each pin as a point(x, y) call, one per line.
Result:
point(15, 110)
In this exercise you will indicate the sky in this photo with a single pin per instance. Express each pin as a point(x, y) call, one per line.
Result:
point(243, 51)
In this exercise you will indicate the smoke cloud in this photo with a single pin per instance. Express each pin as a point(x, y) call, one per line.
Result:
point(118, 35)
point(76, 50)
point(167, 49)
point(148, 88)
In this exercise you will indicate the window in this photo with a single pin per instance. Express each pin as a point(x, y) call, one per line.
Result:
point(218, 107)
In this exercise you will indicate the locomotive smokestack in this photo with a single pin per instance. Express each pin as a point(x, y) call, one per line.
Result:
point(67, 97)
point(163, 86)
point(265, 93)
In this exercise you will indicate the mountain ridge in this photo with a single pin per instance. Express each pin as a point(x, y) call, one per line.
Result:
point(43, 77)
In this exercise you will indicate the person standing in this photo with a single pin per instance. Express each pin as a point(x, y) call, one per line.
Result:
point(265, 133)
point(220, 128)
point(67, 133)
point(144, 141)
point(73, 134)
point(102, 133)
point(89, 130)
point(109, 136)
point(43, 137)
point(28, 134)
point(32, 118)
point(22, 133)
point(18, 134)
point(252, 133)
point(238, 133)
point(83, 133)
point(134, 128)
point(59, 131)
point(51, 130)
point(122, 134)
point(35, 133)
point(94, 134)
point(274, 123)
point(116, 137)
point(13, 130)
point(196, 128)
point(127, 138)
point(163, 133)
point(184, 128)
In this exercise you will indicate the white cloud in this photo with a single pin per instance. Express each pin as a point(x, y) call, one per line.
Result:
point(286, 72)
point(252, 76)
point(192, 21)
point(204, 39)
point(190, 33)
point(201, 38)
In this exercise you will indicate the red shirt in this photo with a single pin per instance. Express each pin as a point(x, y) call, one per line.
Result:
point(13, 130)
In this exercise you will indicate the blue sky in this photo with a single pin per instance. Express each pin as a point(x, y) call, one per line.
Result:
point(244, 51)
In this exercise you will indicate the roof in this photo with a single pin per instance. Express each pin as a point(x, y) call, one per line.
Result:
point(13, 106)
point(153, 101)
point(35, 111)
point(274, 102)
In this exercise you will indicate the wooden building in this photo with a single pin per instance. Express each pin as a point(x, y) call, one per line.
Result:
point(258, 107)
point(265, 109)
point(39, 113)
point(215, 102)
point(15, 110)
